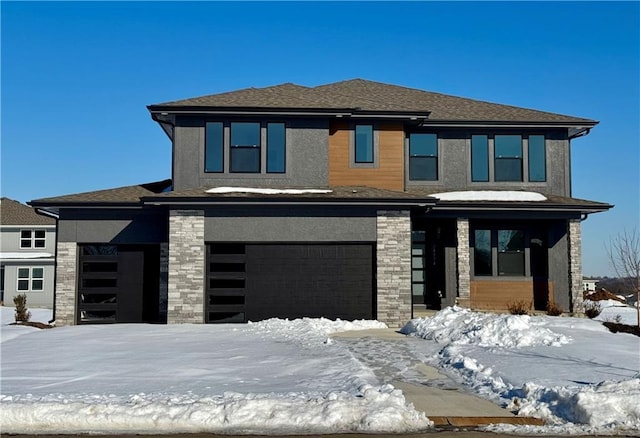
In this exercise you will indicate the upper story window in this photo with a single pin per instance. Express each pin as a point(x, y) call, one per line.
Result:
point(480, 157)
point(244, 147)
point(214, 147)
point(423, 157)
point(364, 143)
point(32, 238)
point(537, 158)
point(276, 147)
point(510, 156)
point(243, 143)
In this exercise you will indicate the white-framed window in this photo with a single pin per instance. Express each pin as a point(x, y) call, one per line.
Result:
point(30, 279)
point(32, 238)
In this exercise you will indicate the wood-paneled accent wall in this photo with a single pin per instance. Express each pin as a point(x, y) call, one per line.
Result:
point(496, 295)
point(389, 174)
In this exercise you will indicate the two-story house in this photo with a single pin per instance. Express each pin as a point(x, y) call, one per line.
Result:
point(355, 199)
point(27, 249)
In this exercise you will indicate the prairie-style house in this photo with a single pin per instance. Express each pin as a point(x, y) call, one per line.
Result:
point(355, 199)
point(27, 248)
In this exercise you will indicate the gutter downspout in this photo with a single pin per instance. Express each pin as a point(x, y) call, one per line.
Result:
point(55, 261)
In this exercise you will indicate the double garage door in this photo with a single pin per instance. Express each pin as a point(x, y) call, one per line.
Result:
point(252, 282)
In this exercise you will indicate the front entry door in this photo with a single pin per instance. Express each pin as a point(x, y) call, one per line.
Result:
point(428, 270)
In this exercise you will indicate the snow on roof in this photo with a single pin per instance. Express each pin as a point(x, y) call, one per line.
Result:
point(490, 195)
point(24, 255)
point(266, 191)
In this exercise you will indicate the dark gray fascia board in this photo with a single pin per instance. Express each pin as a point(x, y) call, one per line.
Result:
point(580, 125)
point(533, 207)
point(335, 112)
point(289, 201)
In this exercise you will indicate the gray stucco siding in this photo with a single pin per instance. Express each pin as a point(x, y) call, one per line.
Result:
point(307, 156)
point(288, 225)
point(125, 226)
point(454, 163)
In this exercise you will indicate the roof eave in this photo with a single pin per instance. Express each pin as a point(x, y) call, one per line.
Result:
point(522, 206)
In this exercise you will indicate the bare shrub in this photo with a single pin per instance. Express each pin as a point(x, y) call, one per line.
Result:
point(22, 314)
point(592, 309)
point(554, 309)
point(520, 307)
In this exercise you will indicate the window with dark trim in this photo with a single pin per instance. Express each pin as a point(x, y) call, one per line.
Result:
point(482, 257)
point(244, 147)
point(479, 158)
point(32, 238)
point(423, 157)
point(30, 279)
point(508, 158)
point(537, 158)
point(214, 147)
point(511, 252)
point(276, 148)
point(364, 143)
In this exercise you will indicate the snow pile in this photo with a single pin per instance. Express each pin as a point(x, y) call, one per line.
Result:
point(590, 385)
point(375, 409)
point(490, 195)
point(310, 330)
point(603, 405)
point(455, 325)
point(615, 311)
point(266, 191)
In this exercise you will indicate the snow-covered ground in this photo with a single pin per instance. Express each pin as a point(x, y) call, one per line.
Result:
point(572, 372)
point(289, 377)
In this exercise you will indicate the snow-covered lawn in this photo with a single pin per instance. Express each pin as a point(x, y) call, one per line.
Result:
point(270, 377)
point(279, 377)
point(572, 372)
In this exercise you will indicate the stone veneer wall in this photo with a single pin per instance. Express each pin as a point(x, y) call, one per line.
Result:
point(186, 267)
point(393, 252)
point(66, 283)
point(575, 266)
point(463, 263)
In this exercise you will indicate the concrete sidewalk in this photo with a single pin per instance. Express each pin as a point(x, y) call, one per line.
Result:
point(445, 402)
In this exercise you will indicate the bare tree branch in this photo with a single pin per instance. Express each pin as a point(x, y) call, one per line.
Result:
point(624, 255)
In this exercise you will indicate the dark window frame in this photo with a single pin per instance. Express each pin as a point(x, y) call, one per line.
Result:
point(527, 233)
point(542, 156)
point(257, 147)
point(370, 146)
point(284, 147)
point(416, 156)
point(207, 148)
point(504, 157)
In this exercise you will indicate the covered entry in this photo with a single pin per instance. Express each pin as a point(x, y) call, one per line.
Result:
point(252, 282)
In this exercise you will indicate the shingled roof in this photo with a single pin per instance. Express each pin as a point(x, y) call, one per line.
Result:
point(14, 213)
point(119, 195)
point(359, 95)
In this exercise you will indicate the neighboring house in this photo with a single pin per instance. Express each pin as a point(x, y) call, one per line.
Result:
point(589, 284)
point(380, 233)
point(27, 254)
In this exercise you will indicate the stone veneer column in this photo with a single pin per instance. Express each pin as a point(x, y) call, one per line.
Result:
point(575, 266)
point(393, 252)
point(464, 264)
point(186, 267)
point(66, 283)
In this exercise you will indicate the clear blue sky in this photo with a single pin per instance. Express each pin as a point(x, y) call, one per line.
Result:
point(76, 78)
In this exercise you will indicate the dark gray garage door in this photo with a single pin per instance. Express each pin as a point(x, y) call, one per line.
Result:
point(258, 281)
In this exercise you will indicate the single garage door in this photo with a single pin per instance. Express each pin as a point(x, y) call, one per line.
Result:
point(252, 282)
